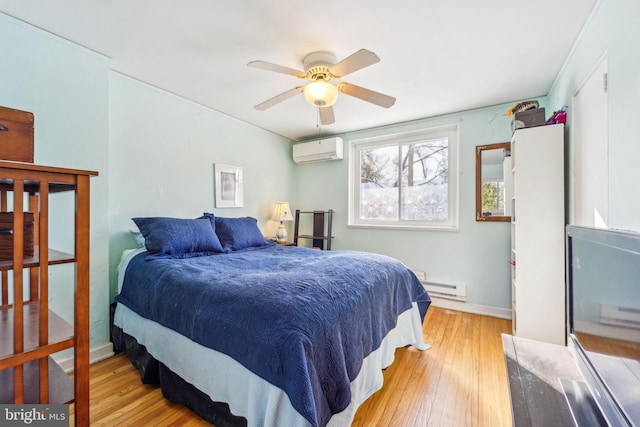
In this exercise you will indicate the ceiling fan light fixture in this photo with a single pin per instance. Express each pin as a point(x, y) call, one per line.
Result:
point(320, 94)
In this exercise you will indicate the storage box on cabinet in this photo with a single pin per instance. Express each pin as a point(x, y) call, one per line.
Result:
point(16, 135)
point(527, 119)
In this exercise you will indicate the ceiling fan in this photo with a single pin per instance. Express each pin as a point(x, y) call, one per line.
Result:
point(320, 69)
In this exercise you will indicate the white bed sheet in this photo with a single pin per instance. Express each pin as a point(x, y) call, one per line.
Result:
point(248, 395)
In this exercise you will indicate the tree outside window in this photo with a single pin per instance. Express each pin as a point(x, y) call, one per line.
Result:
point(493, 197)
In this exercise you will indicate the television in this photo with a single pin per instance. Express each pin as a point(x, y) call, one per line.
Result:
point(603, 325)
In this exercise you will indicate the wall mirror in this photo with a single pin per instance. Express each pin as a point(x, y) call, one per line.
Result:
point(493, 182)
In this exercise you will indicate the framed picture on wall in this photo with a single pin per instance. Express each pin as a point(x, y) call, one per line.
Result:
point(228, 181)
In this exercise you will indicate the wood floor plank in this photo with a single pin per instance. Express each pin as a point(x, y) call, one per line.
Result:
point(460, 381)
point(492, 409)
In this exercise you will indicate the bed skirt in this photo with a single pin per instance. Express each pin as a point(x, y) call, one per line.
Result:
point(251, 397)
point(173, 387)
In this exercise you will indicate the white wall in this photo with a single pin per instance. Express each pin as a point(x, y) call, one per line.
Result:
point(613, 28)
point(162, 149)
point(66, 87)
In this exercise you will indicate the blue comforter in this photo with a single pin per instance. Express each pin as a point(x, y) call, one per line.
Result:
point(302, 319)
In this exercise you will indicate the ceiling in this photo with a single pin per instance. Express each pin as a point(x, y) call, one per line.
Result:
point(437, 57)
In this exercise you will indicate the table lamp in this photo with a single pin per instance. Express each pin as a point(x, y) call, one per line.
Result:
point(282, 213)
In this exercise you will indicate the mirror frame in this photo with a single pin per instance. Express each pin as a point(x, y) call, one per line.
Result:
point(479, 150)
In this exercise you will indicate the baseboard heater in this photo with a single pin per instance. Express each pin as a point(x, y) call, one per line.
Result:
point(442, 290)
point(618, 315)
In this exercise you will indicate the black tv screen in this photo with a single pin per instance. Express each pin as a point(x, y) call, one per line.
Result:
point(603, 312)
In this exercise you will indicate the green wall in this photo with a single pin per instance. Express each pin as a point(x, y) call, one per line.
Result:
point(154, 151)
point(67, 89)
point(612, 30)
point(162, 151)
point(155, 154)
point(477, 255)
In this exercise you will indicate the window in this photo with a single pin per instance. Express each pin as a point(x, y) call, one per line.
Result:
point(406, 180)
point(493, 196)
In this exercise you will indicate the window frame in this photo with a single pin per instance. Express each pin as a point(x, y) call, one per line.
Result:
point(398, 139)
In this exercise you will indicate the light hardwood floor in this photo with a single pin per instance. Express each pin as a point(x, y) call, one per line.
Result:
point(460, 381)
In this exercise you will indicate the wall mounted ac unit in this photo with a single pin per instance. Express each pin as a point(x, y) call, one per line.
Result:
point(318, 151)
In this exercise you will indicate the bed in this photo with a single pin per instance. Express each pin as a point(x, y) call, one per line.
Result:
point(247, 332)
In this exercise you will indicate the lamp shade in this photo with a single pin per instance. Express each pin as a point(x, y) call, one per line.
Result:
point(320, 94)
point(282, 212)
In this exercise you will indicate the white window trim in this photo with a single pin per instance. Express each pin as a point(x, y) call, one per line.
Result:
point(452, 132)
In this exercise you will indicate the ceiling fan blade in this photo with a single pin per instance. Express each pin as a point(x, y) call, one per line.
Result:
point(368, 95)
point(326, 115)
point(277, 68)
point(279, 98)
point(360, 59)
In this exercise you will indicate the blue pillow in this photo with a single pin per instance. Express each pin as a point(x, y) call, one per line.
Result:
point(178, 238)
point(239, 233)
point(212, 219)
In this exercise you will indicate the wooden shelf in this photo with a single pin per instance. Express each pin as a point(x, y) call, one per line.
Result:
point(34, 187)
point(319, 236)
point(55, 257)
point(29, 332)
point(60, 384)
point(60, 332)
point(307, 236)
point(57, 175)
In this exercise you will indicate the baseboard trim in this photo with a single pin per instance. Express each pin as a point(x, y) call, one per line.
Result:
point(607, 331)
point(502, 313)
point(95, 355)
